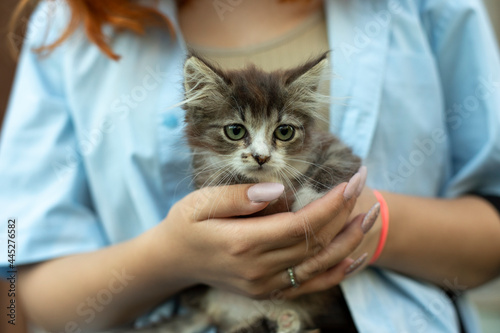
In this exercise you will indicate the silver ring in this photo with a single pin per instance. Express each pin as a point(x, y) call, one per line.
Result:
point(293, 279)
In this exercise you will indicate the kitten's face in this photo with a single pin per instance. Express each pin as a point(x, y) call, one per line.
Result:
point(250, 123)
point(257, 148)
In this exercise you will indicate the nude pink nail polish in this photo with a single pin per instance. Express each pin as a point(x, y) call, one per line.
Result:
point(358, 262)
point(264, 192)
point(352, 186)
point(370, 218)
point(363, 171)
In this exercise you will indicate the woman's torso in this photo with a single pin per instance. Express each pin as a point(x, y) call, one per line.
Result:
point(130, 132)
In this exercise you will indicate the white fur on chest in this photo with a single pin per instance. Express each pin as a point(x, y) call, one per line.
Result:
point(305, 196)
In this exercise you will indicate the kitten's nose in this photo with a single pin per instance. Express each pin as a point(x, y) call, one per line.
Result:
point(261, 159)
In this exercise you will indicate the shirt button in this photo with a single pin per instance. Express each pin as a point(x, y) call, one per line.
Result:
point(171, 121)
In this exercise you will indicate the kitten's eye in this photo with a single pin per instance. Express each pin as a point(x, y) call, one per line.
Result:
point(235, 132)
point(284, 132)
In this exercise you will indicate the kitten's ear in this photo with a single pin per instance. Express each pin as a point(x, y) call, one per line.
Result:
point(309, 75)
point(199, 75)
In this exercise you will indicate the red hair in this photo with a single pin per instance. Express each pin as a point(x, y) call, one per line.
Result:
point(94, 14)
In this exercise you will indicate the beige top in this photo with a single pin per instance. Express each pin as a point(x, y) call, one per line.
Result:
point(306, 41)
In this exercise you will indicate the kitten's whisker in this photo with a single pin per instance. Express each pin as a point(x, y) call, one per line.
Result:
point(302, 179)
point(207, 153)
point(335, 179)
point(308, 231)
point(209, 168)
point(319, 166)
point(193, 175)
point(215, 179)
point(221, 182)
point(227, 178)
point(277, 174)
point(194, 97)
point(344, 166)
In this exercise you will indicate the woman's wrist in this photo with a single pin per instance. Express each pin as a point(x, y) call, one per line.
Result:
point(440, 240)
point(162, 257)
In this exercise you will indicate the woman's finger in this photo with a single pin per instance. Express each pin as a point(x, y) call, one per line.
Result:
point(329, 279)
point(314, 265)
point(311, 261)
point(343, 245)
point(324, 281)
point(309, 251)
point(283, 230)
point(233, 200)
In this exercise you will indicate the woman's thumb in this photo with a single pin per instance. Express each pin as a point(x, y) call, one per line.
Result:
point(233, 200)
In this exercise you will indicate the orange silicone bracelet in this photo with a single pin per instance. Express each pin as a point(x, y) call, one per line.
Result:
point(384, 215)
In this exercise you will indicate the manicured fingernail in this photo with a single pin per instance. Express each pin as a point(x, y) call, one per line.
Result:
point(263, 192)
point(358, 262)
point(363, 171)
point(370, 218)
point(352, 186)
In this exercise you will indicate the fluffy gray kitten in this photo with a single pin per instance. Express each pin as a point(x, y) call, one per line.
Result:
point(251, 126)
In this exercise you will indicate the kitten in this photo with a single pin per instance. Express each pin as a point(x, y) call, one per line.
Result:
point(251, 126)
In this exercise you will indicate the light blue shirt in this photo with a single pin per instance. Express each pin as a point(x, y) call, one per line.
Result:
point(92, 155)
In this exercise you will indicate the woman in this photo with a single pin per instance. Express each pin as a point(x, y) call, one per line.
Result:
point(101, 162)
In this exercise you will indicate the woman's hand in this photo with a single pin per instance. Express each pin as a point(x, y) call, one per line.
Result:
point(251, 255)
point(443, 241)
point(364, 219)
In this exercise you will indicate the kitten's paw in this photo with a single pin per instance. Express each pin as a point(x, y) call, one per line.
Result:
point(263, 325)
point(288, 322)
